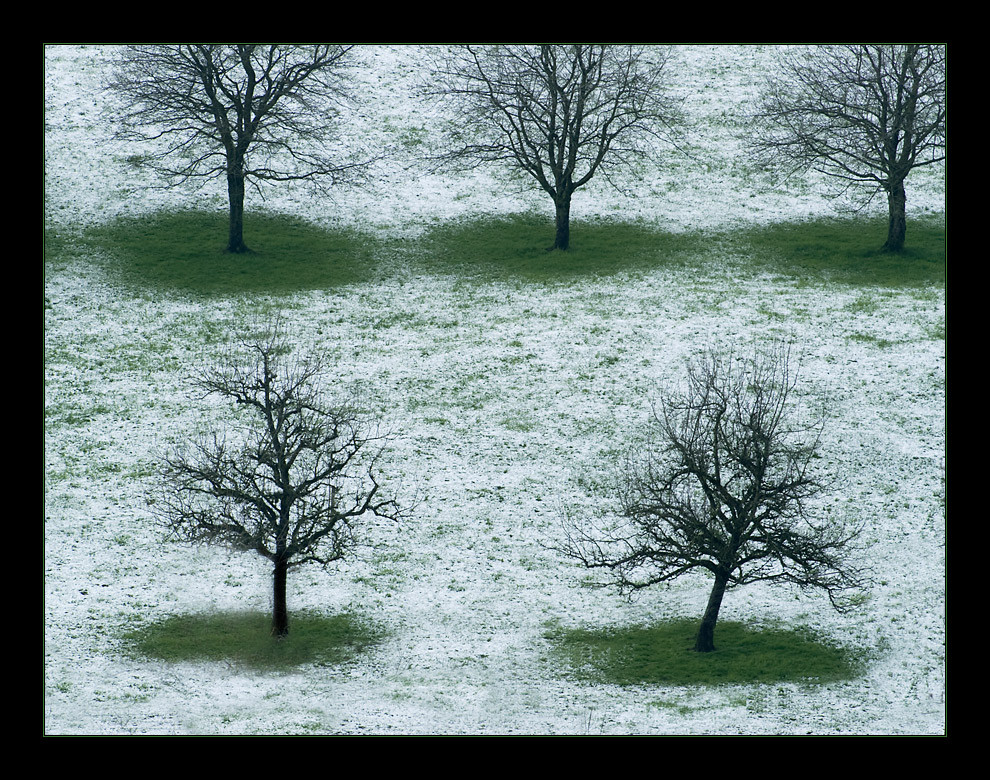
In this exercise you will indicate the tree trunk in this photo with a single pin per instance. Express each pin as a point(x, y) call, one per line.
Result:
point(235, 194)
point(280, 612)
point(705, 642)
point(562, 239)
point(897, 221)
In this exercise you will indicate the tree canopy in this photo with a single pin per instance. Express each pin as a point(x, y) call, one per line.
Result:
point(559, 114)
point(248, 113)
point(863, 115)
point(725, 483)
point(292, 481)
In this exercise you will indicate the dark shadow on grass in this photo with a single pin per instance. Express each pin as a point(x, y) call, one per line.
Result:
point(848, 251)
point(663, 655)
point(244, 639)
point(515, 247)
point(185, 251)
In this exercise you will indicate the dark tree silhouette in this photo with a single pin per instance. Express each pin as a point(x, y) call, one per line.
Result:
point(559, 114)
point(245, 112)
point(725, 484)
point(866, 116)
point(293, 483)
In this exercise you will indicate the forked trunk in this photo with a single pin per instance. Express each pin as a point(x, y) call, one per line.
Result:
point(897, 220)
point(280, 611)
point(705, 641)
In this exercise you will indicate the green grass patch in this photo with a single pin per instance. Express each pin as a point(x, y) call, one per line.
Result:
point(516, 247)
point(244, 639)
point(185, 251)
point(848, 251)
point(663, 655)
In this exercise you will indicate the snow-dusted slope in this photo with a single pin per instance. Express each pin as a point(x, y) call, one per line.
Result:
point(503, 395)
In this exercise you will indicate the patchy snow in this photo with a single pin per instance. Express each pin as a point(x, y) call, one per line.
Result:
point(504, 394)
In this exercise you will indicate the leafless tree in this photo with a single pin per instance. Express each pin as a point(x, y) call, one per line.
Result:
point(245, 112)
point(864, 115)
point(726, 484)
point(294, 480)
point(559, 114)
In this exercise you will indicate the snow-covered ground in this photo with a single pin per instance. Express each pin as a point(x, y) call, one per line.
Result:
point(503, 394)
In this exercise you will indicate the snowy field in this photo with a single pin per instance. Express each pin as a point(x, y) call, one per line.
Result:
point(504, 395)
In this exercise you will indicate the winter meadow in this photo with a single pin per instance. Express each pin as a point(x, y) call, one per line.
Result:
point(506, 394)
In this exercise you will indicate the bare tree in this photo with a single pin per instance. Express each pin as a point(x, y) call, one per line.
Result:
point(295, 481)
point(559, 114)
point(725, 484)
point(864, 115)
point(245, 112)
